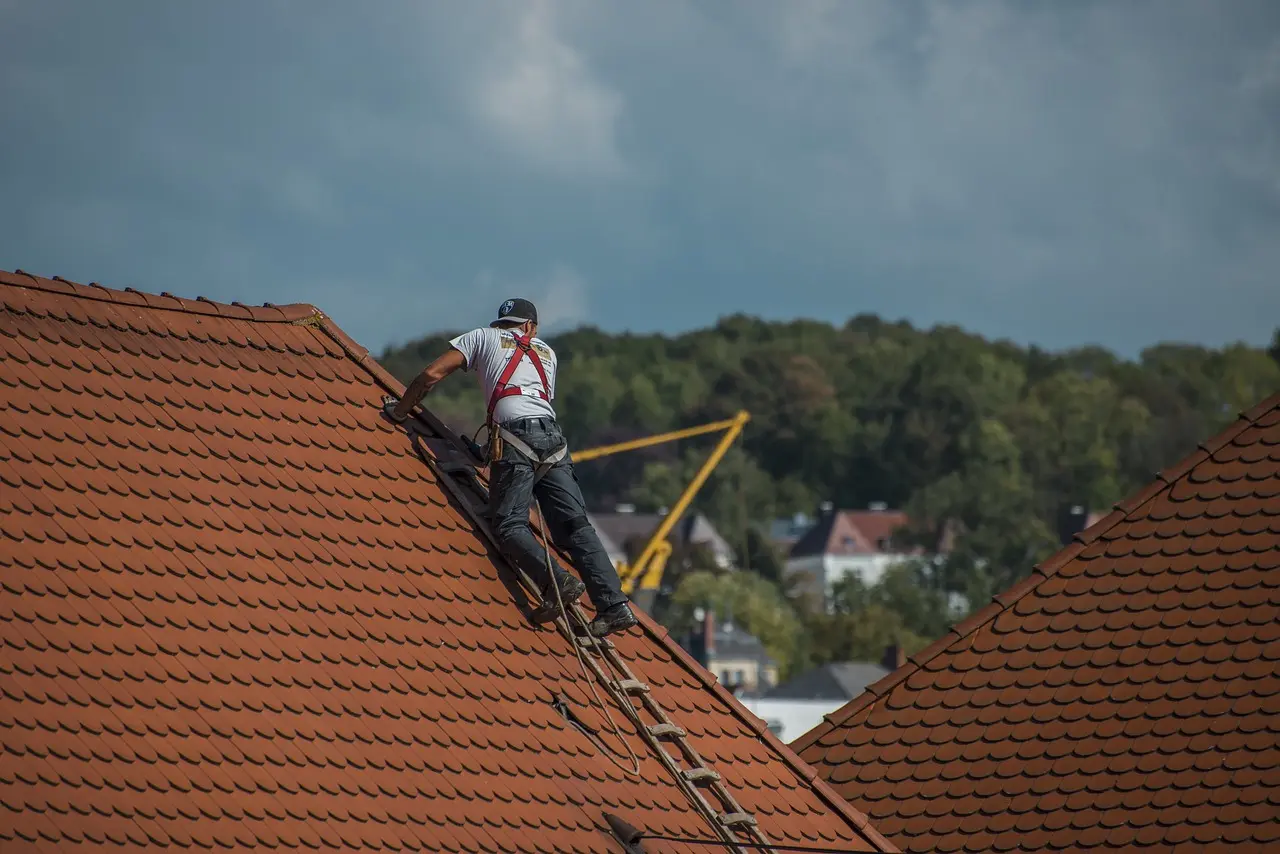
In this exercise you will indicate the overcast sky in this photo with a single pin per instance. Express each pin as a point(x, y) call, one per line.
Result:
point(1052, 172)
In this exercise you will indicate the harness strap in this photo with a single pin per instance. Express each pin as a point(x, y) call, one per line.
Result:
point(541, 464)
point(524, 347)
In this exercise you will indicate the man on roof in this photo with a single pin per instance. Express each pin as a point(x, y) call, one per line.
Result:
point(528, 457)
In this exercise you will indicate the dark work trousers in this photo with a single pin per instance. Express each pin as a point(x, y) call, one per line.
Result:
point(511, 492)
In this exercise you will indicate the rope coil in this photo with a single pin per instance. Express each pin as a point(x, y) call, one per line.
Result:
point(611, 683)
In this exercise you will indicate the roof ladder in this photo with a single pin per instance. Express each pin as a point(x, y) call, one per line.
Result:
point(690, 772)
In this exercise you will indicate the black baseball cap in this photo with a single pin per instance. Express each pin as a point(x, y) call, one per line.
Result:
point(516, 311)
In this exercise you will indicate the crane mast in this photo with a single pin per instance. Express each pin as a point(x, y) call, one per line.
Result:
point(641, 579)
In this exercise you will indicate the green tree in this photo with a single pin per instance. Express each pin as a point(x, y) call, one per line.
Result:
point(761, 557)
point(755, 604)
point(1072, 430)
point(982, 516)
point(860, 636)
point(983, 442)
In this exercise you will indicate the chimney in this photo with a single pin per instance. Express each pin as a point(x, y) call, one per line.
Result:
point(894, 657)
point(1072, 520)
point(702, 637)
point(709, 633)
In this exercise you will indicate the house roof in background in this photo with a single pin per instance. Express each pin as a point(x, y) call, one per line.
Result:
point(841, 680)
point(611, 546)
point(691, 528)
point(785, 533)
point(237, 610)
point(732, 642)
point(849, 532)
point(1125, 695)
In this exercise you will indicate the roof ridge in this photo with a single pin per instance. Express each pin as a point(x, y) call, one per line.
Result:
point(163, 301)
point(656, 632)
point(1001, 602)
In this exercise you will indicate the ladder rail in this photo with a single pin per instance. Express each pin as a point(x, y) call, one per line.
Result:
point(452, 475)
point(690, 755)
point(690, 790)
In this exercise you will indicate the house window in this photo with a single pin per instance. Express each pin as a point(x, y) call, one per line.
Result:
point(738, 677)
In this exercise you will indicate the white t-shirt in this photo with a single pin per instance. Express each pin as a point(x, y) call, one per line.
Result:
point(487, 351)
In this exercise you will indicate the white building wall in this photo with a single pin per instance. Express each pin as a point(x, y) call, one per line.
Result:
point(830, 569)
point(790, 719)
point(870, 567)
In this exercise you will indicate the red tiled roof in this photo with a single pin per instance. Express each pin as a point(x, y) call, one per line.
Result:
point(1126, 695)
point(237, 610)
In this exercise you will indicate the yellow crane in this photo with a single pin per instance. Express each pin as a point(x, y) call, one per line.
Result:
point(640, 579)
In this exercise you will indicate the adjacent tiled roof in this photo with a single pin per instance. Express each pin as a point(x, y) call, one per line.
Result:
point(1125, 696)
point(237, 611)
point(849, 532)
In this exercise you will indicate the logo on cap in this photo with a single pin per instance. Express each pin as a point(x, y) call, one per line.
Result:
point(506, 307)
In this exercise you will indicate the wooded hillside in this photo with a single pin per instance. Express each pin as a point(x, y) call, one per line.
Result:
point(985, 438)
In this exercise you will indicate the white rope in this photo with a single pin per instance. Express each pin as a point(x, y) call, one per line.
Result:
point(612, 683)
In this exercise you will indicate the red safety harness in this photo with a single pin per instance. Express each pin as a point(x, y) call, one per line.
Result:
point(497, 434)
point(524, 347)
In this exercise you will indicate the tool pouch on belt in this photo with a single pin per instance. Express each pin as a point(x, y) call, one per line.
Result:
point(495, 444)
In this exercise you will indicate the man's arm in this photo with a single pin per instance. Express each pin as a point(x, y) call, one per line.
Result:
point(445, 364)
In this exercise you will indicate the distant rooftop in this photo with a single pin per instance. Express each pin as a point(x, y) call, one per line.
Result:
point(834, 681)
point(850, 532)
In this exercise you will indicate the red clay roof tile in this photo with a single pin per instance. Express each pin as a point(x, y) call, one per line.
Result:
point(1130, 686)
point(237, 610)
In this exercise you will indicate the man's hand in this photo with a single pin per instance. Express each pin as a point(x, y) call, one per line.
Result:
point(389, 404)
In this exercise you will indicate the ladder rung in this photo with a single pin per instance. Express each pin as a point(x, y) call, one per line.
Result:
point(660, 730)
point(738, 819)
point(590, 644)
point(633, 686)
point(700, 775)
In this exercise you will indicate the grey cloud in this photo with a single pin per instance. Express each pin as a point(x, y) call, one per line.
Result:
point(1049, 172)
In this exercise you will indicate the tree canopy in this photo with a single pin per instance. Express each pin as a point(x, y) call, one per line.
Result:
point(982, 442)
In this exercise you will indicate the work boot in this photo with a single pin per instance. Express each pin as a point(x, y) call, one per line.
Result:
point(615, 618)
point(571, 588)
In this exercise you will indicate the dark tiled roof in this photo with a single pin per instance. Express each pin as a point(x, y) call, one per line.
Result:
point(1125, 696)
point(733, 642)
point(634, 530)
point(841, 680)
point(849, 532)
point(236, 610)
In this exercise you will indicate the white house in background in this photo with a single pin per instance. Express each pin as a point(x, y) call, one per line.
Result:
point(790, 719)
point(847, 542)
